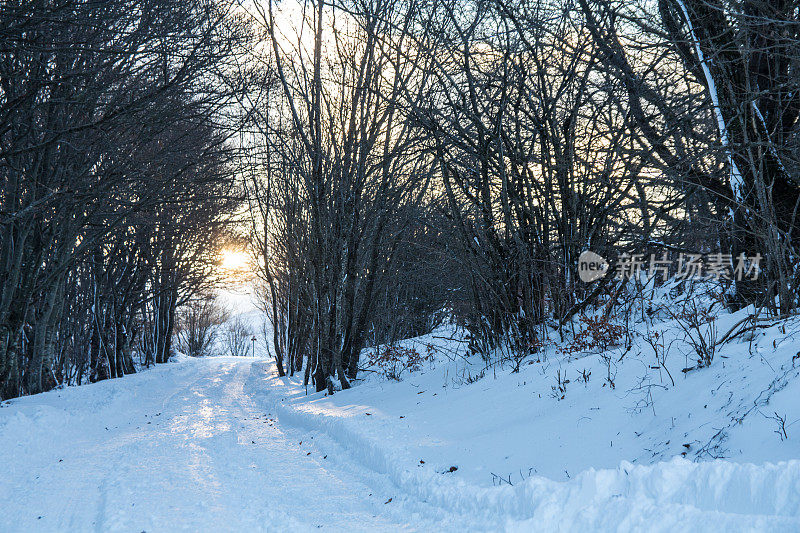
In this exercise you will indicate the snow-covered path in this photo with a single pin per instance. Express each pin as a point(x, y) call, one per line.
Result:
point(181, 447)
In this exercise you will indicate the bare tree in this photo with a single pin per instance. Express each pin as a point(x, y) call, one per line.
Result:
point(106, 116)
point(714, 97)
point(354, 159)
point(199, 324)
point(537, 162)
point(238, 338)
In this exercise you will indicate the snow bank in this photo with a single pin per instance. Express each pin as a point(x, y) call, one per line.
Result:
point(639, 456)
point(664, 496)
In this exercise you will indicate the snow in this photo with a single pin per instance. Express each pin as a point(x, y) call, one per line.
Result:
point(180, 447)
point(639, 456)
point(222, 443)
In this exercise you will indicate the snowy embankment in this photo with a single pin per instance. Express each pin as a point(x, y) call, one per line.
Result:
point(555, 446)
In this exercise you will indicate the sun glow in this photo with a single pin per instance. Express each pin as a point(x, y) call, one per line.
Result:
point(236, 260)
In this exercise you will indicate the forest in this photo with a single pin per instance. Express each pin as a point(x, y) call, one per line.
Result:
point(391, 165)
point(399, 265)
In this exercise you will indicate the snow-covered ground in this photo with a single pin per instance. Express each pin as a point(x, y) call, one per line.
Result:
point(599, 459)
point(224, 444)
point(554, 446)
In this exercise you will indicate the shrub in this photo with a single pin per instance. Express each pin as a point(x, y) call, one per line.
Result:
point(394, 360)
point(598, 334)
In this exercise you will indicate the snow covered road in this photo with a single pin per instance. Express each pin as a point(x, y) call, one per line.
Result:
point(181, 447)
